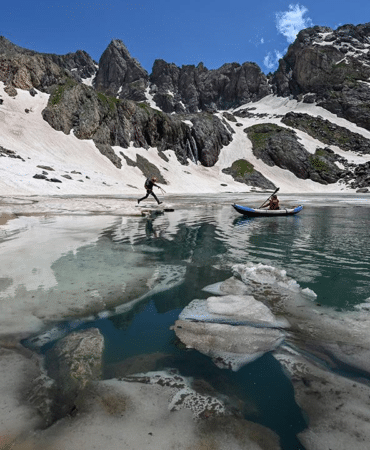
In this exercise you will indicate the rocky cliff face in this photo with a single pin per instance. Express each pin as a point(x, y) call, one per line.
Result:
point(331, 68)
point(279, 146)
point(113, 122)
point(195, 88)
point(26, 69)
point(188, 89)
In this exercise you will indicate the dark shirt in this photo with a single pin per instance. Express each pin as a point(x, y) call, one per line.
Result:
point(149, 184)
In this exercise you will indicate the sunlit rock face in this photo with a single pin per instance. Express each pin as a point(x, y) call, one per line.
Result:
point(119, 74)
point(232, 329)
point(329, 67)
point(26, 69)
point(195, 88)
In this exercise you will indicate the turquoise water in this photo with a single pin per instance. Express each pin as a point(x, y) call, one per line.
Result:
point(323, 248)
point(326, 249)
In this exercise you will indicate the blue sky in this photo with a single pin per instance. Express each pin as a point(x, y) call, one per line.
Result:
point(182, 32)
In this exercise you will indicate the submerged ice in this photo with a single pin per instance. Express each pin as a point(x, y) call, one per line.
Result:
point(236, 325)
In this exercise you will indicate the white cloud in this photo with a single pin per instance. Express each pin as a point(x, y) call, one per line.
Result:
point(272, 58)
point(290, 22)
point(262, 41)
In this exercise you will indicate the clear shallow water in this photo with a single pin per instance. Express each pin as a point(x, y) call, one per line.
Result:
point(323, 248)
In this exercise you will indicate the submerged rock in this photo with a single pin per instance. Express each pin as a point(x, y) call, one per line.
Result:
point(74, 363)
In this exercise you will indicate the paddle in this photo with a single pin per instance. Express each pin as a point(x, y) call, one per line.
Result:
point(269, 197)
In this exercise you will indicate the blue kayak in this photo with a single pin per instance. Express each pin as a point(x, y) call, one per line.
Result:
point(252, 212)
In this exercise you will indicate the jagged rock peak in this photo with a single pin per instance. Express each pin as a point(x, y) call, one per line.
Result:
point(120, 74)
point(121, 47)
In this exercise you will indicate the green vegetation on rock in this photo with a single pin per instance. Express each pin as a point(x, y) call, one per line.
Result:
point(241, 167)
point(111, 102)
point(328, 132)
point(57, 95)
point(145, 107)
point(260, 133)
point(318, 164)
point(151, 111)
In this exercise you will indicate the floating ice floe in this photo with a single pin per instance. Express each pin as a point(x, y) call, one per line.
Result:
point(268, 275)
point(233, 330)
point(232, 310)
point(230, 286)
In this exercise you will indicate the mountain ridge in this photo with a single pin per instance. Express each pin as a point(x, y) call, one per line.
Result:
point(118, 105)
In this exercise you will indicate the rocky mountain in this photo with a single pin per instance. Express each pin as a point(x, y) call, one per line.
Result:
point(331, 68)
point(120, 75)
point(193, 89)
point(117, 104)
point(113, 122)
point(26, 69)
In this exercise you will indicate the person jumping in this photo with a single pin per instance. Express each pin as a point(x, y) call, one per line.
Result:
point(149, 184)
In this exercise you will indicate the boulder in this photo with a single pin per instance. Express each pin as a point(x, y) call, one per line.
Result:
point(243, 172)
point(74, 363)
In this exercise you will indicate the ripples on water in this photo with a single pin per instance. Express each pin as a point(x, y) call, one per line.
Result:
point(324, 248)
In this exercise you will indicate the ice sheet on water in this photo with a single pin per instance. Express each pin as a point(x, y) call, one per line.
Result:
point(233, 361)
point(363, 306)
point(231, 329)
point(231, 309)
point(230, 347)
point(230, 286)
point(182, 395)
point(269, 275)
point(214, 289)
point(166, 277)
point(55, 333)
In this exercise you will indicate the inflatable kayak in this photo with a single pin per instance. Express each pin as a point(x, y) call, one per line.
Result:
point(252, 212)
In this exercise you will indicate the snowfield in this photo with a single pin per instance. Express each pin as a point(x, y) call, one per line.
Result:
point(23, 130)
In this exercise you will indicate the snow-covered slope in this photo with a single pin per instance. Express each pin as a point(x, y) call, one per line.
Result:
point(23, 131)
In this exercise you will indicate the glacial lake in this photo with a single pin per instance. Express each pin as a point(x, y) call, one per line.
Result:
point(325, 248)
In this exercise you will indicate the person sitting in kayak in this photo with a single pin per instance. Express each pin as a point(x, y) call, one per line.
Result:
point(273, 203)
point(149, 183)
